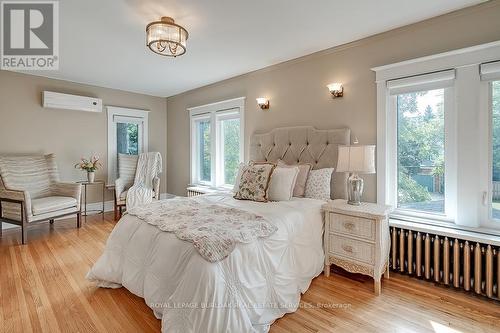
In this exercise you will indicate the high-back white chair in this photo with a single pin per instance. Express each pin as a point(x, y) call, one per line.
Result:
point(127, 167)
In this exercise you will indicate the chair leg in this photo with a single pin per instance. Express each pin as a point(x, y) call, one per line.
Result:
point(24, 234)
point(116, 212)
point(79, 219)
point(24, 224)
point(1, 229)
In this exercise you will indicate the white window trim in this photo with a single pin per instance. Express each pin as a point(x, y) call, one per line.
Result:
point(215, 111)
point(486, 160)
point(115, 112)
point(466, 62)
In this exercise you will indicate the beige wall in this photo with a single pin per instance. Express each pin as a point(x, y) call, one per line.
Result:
point(297, 91)
point(26, 127)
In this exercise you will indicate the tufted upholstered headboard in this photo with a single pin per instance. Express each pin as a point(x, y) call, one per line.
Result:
point(303, 144)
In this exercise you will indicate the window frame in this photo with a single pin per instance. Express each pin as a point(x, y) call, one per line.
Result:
point(449, 158)
point(137, 116)
point(472, 145)
point(486, 109)
point(220, 160)
point(196, 177)
point(216, 112)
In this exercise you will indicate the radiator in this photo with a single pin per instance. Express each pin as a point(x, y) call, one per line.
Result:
point(470, 266)
point(193, 192)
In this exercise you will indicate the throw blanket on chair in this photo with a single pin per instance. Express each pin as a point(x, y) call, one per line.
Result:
point(149, 166)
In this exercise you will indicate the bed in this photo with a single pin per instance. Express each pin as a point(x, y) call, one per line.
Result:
point(257, 282)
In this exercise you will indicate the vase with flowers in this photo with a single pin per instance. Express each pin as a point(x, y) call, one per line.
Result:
point(90, 165)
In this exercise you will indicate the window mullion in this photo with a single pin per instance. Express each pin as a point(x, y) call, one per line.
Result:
point(213, 149)
point(450, 154)
point(467, 88)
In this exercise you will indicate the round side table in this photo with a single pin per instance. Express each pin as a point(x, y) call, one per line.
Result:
point(85, 183)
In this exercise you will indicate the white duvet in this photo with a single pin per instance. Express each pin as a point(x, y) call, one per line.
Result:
point(245, 292)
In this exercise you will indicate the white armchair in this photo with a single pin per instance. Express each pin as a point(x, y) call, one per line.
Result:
point(127, 167)
point(30, 192)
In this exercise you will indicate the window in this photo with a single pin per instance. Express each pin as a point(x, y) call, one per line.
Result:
point(203, 148)
point(127, 134)
point(438, 138)
point(495, 149)
point(216, 143)
point(228, 127)
point(127, 138)
point(421, 151)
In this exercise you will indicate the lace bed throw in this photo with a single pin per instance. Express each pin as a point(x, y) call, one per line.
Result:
point(213, 229)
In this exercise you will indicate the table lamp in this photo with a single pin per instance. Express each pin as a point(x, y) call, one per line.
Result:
point(355, 160)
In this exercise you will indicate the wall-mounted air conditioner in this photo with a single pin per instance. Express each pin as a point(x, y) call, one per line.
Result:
point(71, 102)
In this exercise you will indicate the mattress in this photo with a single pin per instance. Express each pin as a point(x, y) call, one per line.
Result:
point(245, 292)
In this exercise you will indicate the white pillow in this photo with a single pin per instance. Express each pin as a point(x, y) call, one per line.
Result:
point(282, 183)
point(318, 184)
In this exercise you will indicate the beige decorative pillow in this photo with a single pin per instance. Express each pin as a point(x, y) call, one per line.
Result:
point(282, 183)
point(300, 184)
point(254, 182)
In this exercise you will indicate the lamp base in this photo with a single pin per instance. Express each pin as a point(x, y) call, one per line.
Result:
point(354, 189)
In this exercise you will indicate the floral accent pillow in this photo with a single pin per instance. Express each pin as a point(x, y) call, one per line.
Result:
point(318, 184)
point(254, 182)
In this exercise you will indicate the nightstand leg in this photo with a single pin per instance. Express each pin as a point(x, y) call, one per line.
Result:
point(377, 287)
point(386, 273)
point(327, 270)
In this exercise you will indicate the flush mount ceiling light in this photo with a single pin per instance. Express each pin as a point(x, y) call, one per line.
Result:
point(166, 38)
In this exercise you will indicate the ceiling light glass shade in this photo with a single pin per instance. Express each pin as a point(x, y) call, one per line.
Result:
point(166, 38)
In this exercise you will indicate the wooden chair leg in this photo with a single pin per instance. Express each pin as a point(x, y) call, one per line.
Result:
point(24, 224)
point(79, 219)
point(24, 234)
point(0, 229)
point(116, 212)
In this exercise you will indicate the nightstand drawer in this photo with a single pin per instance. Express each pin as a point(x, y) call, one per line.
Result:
point(351, 225)
point(351, 248)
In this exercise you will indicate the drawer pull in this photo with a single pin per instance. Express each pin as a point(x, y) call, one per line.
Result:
point(347, 248)
point(349, 226)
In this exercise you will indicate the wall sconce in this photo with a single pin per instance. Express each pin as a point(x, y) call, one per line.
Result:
point(336, 89)
point(263, 103)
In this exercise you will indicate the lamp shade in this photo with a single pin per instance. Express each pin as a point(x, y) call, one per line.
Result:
point(358, 159)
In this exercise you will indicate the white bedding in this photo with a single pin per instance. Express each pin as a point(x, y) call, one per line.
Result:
point(245, 292)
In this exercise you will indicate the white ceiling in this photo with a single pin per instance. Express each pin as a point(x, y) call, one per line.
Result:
point(102, 42)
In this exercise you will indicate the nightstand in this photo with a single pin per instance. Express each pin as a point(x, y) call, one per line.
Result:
point(357, 239)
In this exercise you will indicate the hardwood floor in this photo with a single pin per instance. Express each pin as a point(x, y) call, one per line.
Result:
point(43, 289)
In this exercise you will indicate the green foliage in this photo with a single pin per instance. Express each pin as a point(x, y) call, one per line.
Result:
point(205, 155)
point(231, 130)
point(409, 190)
point(439, 169)
point(133, 139)
point(420, 142)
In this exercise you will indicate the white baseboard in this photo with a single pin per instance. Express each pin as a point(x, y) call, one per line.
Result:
point(109, 206)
